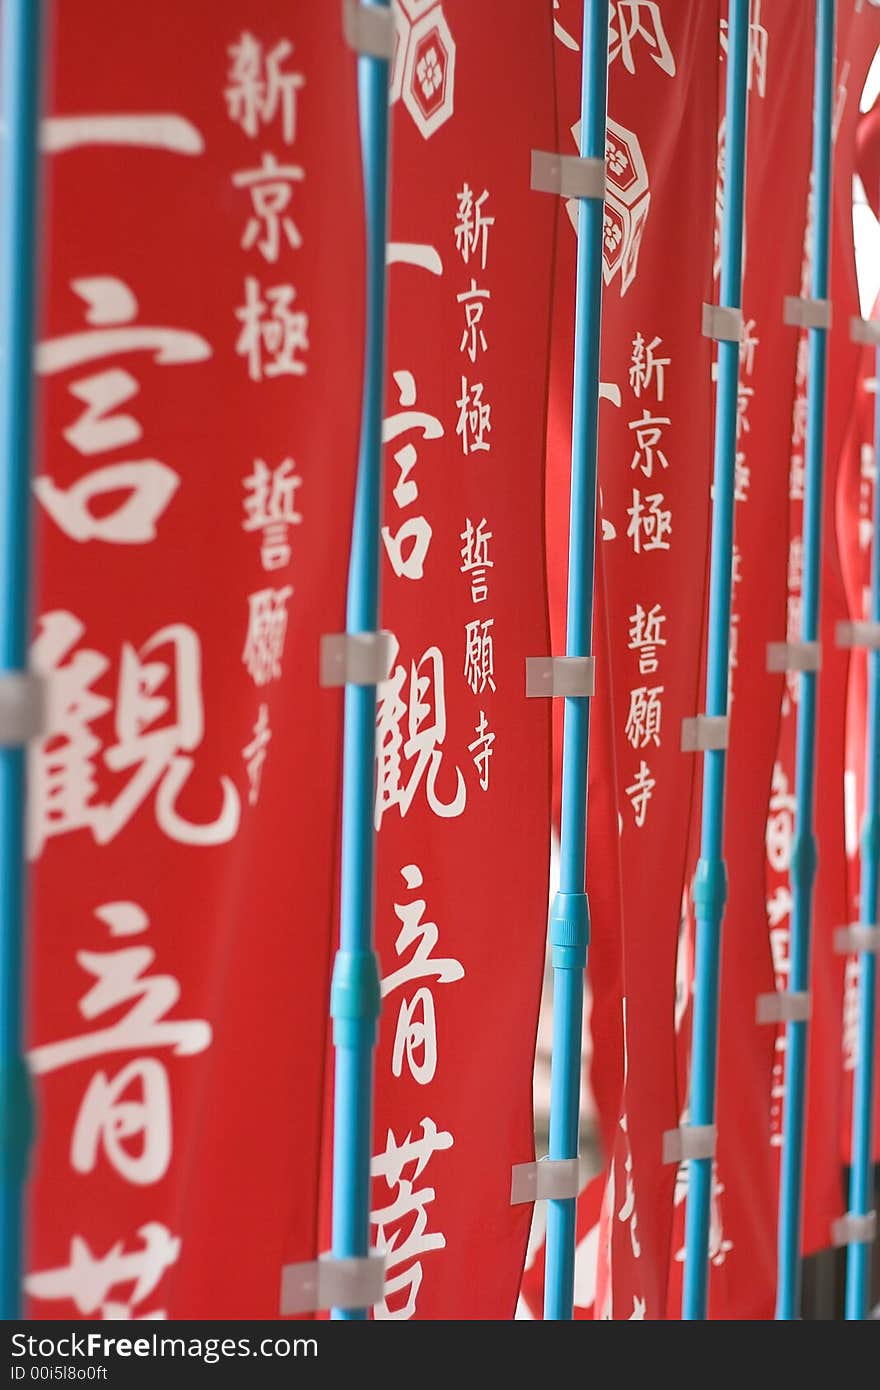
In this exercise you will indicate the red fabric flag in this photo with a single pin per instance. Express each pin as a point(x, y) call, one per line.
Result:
point(655, 468)
point(463, 786)
point(824, 1200)
point(742, 1241)
point(855, 520)
point(200, 359)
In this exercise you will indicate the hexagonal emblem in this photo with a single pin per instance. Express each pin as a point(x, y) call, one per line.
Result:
point(627, 202)
point(613, 241)
point(429, 72)
point(627, 171)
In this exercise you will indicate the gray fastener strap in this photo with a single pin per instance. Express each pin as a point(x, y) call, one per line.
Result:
point(794, 656)
point(854, 1230)
point(555, 676)
point(704, 732)
point(858, 634)
point(722, 323)
point(355, 658)
point(865, 331)
point(368, 29)
point(689, 1141)
point(555, 1178)
point(783, 1006)
point(22, 707)
point(568, 175)
point(325, 1283)
point(807, 313)
point(860, 936)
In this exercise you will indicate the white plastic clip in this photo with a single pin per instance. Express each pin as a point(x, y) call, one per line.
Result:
point(369, 29)
point(22, 708)
point(854, 1230)
point(555, 676)
point(324, 1283)
point(689, 1141)
point(704, 732)
point(554, 1178)
point(806, 313)
point(860, 937)
point(567, 175)
point(722, 323)
point(783, 1006)
point(865, 331)
point(794, 656)
point(866, 635)
point(355, 658)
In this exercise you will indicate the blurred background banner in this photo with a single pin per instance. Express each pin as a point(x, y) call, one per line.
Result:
point(856, 526)
point(654, 473)
point(824, 1199)
point(742, 1228)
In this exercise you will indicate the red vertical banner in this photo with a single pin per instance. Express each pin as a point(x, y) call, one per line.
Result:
point(655, 453)
point(655, 478)
point(855, 521)
point(200, 369)
point(743, 1259)
point(855, 516)
point(463, 777)
point(824, 1200)
point(857, 36)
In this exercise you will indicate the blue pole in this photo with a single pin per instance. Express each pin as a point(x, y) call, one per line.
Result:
point(858, 1263)
point(569, 916)
point(20, 77)
point(710, 882)
point(355, 997)
point(803, 855)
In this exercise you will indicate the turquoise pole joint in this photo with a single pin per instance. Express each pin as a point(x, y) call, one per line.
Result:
point(804, 851)
point(858, 1255)
point(355, 992)
point(569, 931)
point(20, 78)
point(569, 927)
point(710, 882)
